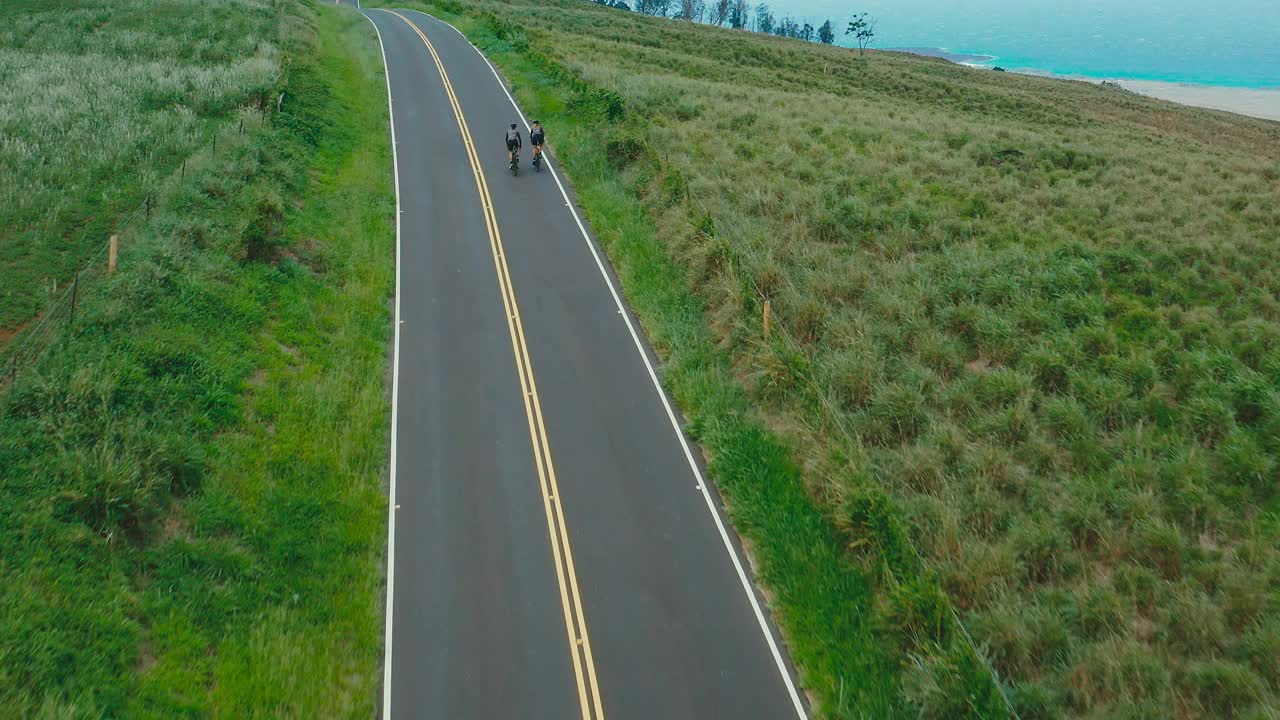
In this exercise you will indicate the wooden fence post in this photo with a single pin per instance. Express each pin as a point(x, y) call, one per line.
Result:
point(111, 253)
point(75, 293)
point(768, 316)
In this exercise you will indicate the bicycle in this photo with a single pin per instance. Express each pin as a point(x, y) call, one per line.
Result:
point(515, 161)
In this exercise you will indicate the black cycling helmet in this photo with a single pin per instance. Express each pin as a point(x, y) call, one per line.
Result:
point(513, 126)
point(535, 122)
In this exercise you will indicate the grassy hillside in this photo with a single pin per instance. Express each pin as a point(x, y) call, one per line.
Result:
point(100, 100)
point(192, 477)
point(1030, 357)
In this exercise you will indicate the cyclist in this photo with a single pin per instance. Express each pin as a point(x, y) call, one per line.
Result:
point(536, 138)
point(513, 143)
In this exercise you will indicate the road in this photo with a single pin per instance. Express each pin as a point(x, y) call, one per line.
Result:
point(553, 550)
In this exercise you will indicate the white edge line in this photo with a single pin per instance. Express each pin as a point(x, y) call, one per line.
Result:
point(666, 403)
point(395, 397)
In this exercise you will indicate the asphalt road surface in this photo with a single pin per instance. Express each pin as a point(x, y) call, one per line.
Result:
point(553, 551)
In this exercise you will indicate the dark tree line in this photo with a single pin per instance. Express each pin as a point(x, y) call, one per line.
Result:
point(787, 26)
point(739, 15)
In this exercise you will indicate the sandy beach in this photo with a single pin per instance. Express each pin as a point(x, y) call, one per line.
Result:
point(1245, 101)
point(1254, 102)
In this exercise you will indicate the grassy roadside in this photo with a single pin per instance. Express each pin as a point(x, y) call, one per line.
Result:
point(193, 476)
point(824, 602)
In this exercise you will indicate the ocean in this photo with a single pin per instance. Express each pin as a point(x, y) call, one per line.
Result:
point(1230, 43)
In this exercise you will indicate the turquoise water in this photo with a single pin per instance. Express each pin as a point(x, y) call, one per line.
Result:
point(1227, 42)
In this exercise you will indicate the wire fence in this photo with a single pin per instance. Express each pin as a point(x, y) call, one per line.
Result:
point(25, 349)
point(29, 345)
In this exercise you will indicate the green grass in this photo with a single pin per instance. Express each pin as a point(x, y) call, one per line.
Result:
point(100, 101)
point(1032, 375)
point(193, 477)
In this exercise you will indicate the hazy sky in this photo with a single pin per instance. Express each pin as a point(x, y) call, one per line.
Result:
point(1226, 41)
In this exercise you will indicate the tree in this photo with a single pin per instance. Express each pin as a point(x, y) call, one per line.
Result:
point(863, 29)
point(764, 19)
point(691, 10)
point(619, 4)
point(786, 28)
point(738, 12)
point(720, 12)
point(826, 35)
point(653, 7)
point(806, 33)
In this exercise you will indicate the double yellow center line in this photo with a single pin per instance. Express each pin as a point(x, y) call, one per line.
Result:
point(575, 623)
